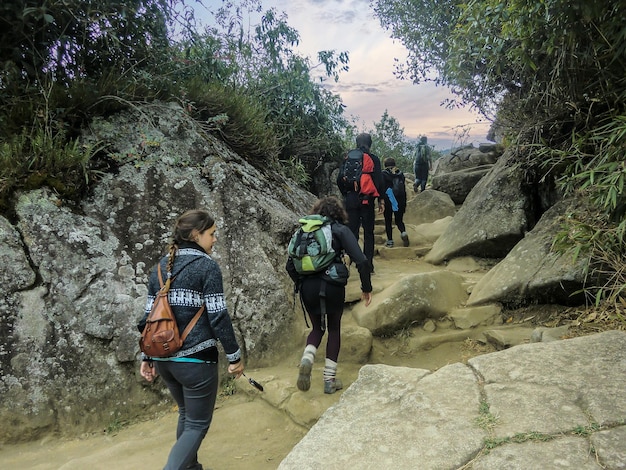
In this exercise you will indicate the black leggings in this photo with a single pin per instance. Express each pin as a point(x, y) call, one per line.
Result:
point(399, 215)
point(335, 298)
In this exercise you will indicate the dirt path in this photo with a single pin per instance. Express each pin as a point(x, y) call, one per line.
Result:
point(247, 431)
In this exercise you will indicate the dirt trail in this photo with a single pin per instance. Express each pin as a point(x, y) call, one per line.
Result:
point(247, 431)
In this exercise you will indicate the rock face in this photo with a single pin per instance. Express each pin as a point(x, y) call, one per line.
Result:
point(412, 300)
point(541, 405)
point(494, 217)
point(458, 184)
point(468, 157)
point(428, 206)
point(75, 282)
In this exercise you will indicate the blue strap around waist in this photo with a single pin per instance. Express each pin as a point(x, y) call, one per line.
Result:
point(181, 359)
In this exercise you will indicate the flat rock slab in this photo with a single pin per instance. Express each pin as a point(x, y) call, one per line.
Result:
point(543, 405)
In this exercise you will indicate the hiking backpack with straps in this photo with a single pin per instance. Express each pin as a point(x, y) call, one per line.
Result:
point(421, 154)
point(311, 246)
point(398, 185)
point(160, 336)
point(311, 250)
point(356, 173)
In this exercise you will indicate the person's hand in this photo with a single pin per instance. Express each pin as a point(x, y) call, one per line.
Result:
point(366, 297)
point(148, 371)
point(236, 369)
point(381, 207)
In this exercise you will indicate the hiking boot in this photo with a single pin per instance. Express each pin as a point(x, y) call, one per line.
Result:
point(304, 376)
point(331, 386)
point(389, 243)
point(405, 238)
point(194, 466)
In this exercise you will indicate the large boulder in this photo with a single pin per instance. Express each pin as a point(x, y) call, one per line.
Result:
point(428, 206)
point(532, 271)
point(74, 285)
point(468, 157)
point(493, 218)
point(412, 300)
point(458, 184)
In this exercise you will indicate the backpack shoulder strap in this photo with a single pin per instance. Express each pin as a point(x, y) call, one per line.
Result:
point(165, 287)
point(193, 322)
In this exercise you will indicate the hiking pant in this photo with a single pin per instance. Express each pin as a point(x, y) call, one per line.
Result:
point(399, 215)
point(363, 215)
point(335, 298)
point(194, 387)
point(421, 177)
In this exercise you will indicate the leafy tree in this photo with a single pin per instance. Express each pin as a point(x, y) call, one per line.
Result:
point(64, 62)
point(552, 73)
point(554, 62)
point(389, 140)
point(71, 39)
point(306, 117)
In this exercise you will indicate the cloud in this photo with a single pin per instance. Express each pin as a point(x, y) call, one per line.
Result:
point(370, 87)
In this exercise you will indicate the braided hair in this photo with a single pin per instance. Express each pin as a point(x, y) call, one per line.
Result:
point(196, 219)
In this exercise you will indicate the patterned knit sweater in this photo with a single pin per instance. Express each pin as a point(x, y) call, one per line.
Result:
point(197, 279)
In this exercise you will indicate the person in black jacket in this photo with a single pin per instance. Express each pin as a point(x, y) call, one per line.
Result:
point(309, 287)
point(395, 181)
point(191, 374)
point(360, 208)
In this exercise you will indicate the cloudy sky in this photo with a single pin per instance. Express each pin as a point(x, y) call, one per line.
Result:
point(370, 88)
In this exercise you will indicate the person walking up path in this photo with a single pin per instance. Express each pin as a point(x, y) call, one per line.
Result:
point(359, 201)
point(318, 293)
point(395, 201)
point(191, 374)
point(422, 164)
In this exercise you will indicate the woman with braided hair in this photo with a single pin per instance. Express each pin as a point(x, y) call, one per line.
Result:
point(191, 374)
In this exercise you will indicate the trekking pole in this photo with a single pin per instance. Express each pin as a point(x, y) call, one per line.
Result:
point(253, 382)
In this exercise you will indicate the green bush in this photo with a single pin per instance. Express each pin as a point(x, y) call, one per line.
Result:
point(593, 169)
point(243, 124)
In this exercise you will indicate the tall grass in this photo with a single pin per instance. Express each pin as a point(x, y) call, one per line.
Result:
point(38, 158)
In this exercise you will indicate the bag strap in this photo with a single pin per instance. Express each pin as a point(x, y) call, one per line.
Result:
point(323, 304)
point(193, 322)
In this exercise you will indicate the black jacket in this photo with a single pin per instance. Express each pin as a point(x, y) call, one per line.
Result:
point(351, 197)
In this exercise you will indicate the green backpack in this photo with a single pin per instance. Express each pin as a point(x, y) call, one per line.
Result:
point(311, 246)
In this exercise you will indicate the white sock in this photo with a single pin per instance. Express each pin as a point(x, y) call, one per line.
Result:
point(309, 353)
point(330, 370)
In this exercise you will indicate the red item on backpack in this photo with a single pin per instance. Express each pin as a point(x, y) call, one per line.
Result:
point(367, 186)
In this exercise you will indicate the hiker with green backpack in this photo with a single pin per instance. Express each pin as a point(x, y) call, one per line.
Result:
point(315, 264)
point(422, 164)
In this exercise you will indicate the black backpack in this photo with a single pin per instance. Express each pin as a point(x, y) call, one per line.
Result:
point(351, 170)
point(398, 186)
